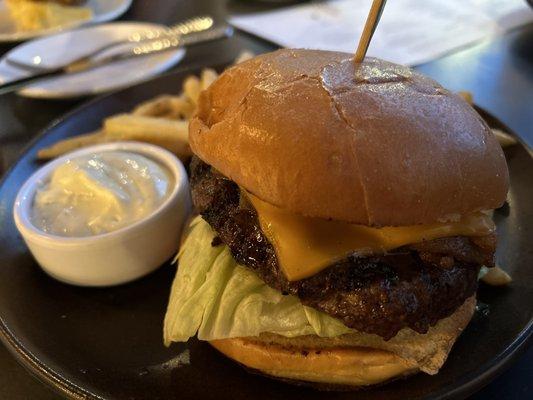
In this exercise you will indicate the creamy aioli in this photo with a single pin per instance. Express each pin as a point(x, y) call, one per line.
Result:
point(100, 193)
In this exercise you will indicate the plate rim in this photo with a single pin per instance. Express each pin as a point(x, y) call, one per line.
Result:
point(469, 383)
point(15, 37)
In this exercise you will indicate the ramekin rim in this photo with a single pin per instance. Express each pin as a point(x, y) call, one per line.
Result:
point(25, 195)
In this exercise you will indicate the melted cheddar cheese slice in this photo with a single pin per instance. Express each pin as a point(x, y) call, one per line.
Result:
point(304, 246)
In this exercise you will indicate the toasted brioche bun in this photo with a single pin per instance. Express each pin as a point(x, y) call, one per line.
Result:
point(355, 359)
point(373, 143)
point(337, 366)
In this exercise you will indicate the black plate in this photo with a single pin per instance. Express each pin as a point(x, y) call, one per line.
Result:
point(107, 343)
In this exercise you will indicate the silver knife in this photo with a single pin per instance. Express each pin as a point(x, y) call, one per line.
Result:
point(159, 45)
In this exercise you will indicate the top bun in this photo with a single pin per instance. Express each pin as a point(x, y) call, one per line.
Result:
point(373, 143)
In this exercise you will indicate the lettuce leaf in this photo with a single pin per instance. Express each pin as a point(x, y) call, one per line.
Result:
point(216, 298)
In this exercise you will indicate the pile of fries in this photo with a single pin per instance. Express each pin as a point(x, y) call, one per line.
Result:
point(162, 121)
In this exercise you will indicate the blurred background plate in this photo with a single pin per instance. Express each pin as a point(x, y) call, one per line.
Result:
point(57, 50)
point(107, 343)
point(103, 11)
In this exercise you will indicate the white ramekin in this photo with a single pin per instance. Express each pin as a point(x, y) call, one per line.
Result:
point(116, 257)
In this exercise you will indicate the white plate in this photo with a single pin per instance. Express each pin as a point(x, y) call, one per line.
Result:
point(59, 49)
point(103, 11)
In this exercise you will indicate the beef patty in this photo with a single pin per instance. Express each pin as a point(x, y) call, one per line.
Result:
point(413, 286)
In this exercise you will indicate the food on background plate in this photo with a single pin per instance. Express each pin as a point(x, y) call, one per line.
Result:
point(343, 219)
point(100, 193)
point(31, 15)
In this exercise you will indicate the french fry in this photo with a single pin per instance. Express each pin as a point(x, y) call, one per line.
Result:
point(183, 107)
point(131, 127)
point(504, 138)
point(166, 106)
point(467, 96)
point(170, 134)
point(68, 145)
point(208, 76)
point(244, 56)
point(496, 277)
point(192, 89)
point(156, 107)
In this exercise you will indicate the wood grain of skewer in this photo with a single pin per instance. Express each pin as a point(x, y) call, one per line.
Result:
point(368, 31)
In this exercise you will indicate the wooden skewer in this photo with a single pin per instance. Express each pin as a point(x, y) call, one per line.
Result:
point(370, 26)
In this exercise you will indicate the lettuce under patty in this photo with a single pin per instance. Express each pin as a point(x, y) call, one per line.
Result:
point(216, 298)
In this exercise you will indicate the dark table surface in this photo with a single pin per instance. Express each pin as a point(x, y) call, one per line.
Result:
point(498, 72)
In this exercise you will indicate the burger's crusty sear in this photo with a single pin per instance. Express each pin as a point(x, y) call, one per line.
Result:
point(415, 286)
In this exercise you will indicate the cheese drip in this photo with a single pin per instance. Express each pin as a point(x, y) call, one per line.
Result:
point(305, 246)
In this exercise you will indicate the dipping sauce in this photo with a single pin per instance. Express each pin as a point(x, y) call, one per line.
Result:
point(100, 193)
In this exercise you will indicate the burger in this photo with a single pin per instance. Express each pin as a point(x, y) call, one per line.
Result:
point(344, 216)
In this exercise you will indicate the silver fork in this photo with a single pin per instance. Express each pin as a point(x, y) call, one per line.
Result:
point(147, 36)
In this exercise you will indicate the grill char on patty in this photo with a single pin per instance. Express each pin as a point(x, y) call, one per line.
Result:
point(413, 286)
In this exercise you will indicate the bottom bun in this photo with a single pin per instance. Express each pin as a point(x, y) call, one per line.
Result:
point(349, 360)
point(338, 366)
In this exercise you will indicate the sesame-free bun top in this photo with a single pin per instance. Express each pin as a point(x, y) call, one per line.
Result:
point(373, 143)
